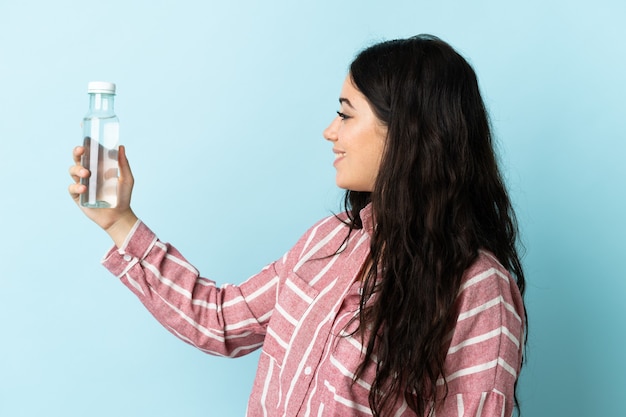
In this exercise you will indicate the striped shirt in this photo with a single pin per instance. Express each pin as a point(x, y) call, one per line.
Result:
point(299, 310)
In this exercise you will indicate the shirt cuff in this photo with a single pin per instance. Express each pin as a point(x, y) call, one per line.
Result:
point(135, 248)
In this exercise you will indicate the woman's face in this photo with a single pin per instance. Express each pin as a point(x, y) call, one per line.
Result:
point(358, 138)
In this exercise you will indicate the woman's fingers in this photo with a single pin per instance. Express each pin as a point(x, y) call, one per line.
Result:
point(77, 172)
point(118, 220)
point(78, 153)
point(126, 180)
point(76, 190)
point(124, 167)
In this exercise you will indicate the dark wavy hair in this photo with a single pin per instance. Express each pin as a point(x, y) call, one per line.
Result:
point(439, 197)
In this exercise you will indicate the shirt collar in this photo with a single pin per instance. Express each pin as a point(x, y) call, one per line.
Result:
point(367, 219)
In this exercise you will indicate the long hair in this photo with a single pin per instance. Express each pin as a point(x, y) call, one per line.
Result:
point(438, 198)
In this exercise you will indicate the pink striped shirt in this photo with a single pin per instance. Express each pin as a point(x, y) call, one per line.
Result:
point(299, 310)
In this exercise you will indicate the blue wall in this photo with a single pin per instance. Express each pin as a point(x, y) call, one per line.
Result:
point(222, 108)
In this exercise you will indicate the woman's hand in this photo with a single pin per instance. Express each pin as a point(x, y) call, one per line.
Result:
point(117, 221)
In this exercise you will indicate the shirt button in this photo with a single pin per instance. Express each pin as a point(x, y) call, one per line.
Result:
point(308, 370)
point(127, 258)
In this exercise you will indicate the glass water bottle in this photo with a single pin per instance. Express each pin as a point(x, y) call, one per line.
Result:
point(101, 142)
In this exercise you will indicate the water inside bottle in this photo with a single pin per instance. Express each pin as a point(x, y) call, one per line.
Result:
point(102, 183)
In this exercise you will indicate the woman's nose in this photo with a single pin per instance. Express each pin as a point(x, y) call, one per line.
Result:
point(330, 133)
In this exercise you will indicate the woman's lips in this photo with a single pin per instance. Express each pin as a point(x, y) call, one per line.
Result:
point(338, 155)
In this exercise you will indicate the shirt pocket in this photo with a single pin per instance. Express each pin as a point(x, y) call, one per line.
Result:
point(294, 300)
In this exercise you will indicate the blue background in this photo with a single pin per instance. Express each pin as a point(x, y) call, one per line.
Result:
point(222, 106)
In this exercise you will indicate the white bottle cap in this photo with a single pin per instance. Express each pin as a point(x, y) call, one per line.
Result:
point(101, 87)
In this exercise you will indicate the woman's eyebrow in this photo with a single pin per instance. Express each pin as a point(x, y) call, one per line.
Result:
point(343, 100)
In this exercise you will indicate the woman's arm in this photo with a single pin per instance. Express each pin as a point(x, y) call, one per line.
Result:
point(226, 321)
point(485, 354)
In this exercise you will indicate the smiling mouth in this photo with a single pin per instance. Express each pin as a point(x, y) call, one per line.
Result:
point(338, 157)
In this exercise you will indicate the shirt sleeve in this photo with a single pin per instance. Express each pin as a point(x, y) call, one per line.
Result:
point(485, 353)
point(476, 404)
point(227, 321)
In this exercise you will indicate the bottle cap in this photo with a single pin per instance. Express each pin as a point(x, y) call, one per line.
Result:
point(101, 87)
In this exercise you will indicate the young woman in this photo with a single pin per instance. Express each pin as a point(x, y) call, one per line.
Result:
point(408, 303)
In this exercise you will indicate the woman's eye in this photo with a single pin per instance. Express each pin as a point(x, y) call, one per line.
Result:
point(342, 115)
